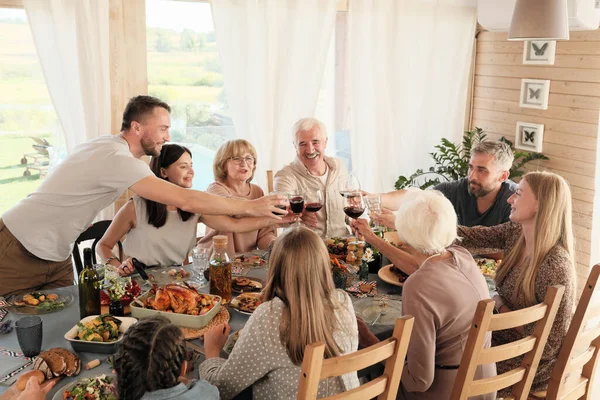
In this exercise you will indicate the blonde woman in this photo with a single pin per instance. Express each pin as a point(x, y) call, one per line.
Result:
point(301, 306)
point(442, 294)
point(233, 167)
point(538, 248)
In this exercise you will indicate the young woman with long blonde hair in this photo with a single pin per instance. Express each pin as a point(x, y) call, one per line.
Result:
point(301, 306)
point(538, 248)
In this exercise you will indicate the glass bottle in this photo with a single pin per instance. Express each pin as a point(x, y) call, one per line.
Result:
point(220, 269)
point(89, 287)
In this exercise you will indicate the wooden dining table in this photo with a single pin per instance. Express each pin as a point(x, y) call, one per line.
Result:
point(56, 324)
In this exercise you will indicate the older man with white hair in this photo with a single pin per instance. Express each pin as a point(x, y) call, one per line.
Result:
point(442, 294)
point(312, 170)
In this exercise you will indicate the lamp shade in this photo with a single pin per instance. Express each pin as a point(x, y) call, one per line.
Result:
point(539, 20)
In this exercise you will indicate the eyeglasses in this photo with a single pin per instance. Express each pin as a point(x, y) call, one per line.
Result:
point(238, 160)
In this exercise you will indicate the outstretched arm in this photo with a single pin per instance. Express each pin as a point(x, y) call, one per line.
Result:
point(123, 222)
point(226, 223)
point(198, 202)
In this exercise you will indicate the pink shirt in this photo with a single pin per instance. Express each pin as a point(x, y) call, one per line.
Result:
point(239, 242)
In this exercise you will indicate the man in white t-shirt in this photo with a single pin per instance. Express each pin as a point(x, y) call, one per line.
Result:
point(313, 170)
point(37, 235)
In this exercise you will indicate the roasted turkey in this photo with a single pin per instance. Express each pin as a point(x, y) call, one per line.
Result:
point(179, 299)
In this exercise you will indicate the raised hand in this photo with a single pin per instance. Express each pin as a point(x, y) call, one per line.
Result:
point(266, 206)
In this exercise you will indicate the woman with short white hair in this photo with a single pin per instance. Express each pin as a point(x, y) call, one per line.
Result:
point(442, 295)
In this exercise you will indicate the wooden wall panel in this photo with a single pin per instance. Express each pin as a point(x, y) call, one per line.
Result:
point(570, 122)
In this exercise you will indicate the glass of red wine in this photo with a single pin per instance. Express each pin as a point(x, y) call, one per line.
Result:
point(354, 206)
point(314, 200)
point(296, 204)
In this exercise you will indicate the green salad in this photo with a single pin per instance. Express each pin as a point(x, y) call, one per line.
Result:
point(97, 388)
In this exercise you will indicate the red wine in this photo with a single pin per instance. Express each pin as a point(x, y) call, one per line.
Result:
point(354, 212)
point(281, 208)
point(313, 207)
point(297, 204)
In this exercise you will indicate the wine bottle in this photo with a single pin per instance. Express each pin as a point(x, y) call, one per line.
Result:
point(89, 287)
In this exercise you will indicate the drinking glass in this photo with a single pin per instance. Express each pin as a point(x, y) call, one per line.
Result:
point(200, 259)
point(374, 203)
point(281, 207)
point(354, 206)
point(29, 335)
point(296, 205)
point(347, 184)
point(314, 200)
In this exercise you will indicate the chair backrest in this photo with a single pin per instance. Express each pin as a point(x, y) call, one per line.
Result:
point(315, 368)
point(573, 373)
point(531, 347)
point(270, 187)
point(95, 233)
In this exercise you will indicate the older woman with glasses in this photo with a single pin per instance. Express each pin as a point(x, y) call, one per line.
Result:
point(233, 168)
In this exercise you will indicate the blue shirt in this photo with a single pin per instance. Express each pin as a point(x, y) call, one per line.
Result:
point(194, 390)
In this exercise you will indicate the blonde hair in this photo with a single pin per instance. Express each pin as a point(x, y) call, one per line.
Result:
point(300, 276)
point(552, 227)
point(229, 149)
point(426, 220)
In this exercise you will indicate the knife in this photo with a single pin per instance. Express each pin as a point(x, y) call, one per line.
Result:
point(139, 268)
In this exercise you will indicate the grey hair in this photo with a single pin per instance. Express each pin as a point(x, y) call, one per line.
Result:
point(503, 154)
point(426, 220)
point(307, 124)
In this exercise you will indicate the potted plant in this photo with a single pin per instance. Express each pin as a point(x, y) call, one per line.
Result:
point(452, 162)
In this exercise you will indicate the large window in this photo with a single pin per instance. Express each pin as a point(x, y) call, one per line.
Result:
point(28, 121)
point(184, 70)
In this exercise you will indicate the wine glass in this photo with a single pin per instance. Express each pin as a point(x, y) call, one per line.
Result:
point(354, 206)
point(280, 206)
point(314, 200)
point(374, 203)
point(348, 183)
point(296, 204)
point(200, 260)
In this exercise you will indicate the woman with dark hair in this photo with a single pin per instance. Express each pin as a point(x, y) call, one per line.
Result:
point(164, 235)
point(150, 364)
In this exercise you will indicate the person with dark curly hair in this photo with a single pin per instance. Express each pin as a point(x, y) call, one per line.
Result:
point(150, 364)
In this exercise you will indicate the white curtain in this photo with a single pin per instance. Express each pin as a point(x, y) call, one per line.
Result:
point(71, 40)
point(409, 65)
point(273, 54)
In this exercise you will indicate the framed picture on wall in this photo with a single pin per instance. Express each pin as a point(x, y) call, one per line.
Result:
point(529, 136)
point(534, 93)
point(539, 52)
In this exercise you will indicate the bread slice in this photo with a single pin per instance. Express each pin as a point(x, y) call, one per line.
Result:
point(71, 359)
point(41, 365)
point(56, 362)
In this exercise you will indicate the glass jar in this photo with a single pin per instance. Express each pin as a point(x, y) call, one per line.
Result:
point(220, 269)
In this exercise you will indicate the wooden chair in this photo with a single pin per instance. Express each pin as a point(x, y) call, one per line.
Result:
point(270, 187)
point(95, 233)
point(531, 347)
point(575, 368)
point(315, 368)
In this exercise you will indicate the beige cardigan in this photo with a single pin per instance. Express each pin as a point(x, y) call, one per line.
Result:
point(331, 218)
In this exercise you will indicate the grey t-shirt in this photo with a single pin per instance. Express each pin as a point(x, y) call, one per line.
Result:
point(49, 220)
point(465, 204)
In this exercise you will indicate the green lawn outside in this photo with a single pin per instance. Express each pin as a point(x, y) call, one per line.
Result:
point(13, 185)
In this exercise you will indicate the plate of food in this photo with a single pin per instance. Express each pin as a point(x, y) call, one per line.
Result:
point(245, 284)
point(392, 275)
point(337, 247)
point(182, 305)
point(100, 387)
point(246, 303)
point(39, 302)
point(378, 311)
point(488, 266)
point(166, 275)
point(98, 333)
point(231, 341)
point(248, 261)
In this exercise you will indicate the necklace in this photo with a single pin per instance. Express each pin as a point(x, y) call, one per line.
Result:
point(429, 258)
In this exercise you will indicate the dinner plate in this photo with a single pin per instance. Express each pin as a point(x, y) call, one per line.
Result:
point(369, 309)
point(386, 275)
point(59, 395)
point(67, 299)
point(255, 285)
point(231, 341)
point(235, 302)
point(160, 276)
point(252, 260)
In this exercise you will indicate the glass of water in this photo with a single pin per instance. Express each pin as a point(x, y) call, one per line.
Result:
point(374, 203)
point(200, 259)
